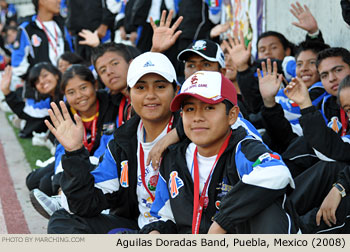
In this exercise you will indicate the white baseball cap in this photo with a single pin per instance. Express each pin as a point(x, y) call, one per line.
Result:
point(150, 62)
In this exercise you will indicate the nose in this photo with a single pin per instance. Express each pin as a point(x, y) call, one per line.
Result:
point(332, 77)
point(198, 115)
point(109, 69)
point(151, 93)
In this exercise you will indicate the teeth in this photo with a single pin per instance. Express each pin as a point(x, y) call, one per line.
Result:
point(151, 105)
point(306, 77)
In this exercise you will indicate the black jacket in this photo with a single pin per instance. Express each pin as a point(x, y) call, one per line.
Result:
point(232, 199)
point(78, 183)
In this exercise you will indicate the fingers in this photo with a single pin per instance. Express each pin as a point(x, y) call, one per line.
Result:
point(154, 26)
point(326, 219)
point(274, 70)
point(65, 112)
point(258, 72)
point(162, 18)
point(318, 217)
point(169, 18)
point(263, 68)
point(50, 127)
point(269, 67)
point(177, 23)
point(55, 115)
point(299, 7)
point(176, 36)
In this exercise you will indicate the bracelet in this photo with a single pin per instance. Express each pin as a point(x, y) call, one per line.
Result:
point(340, 188)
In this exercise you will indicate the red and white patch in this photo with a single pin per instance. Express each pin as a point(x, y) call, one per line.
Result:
point(36, 40)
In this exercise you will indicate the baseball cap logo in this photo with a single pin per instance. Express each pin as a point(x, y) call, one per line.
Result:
point(200, 45)
point(194, 80)
point(148, 64)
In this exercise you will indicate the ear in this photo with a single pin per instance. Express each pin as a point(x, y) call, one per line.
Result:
point(223, 70)
point(181, 114)
point(233, 114)
point(288, 51)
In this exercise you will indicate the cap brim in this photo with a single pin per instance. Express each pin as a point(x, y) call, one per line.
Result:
point(167, 76)
point(182, 55)
point(178, 100)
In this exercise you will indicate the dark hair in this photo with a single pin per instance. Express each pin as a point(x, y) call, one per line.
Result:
point(285, 42)
point(314, 46)
point(82, 71)
point(333, 52)
point(228, 105)
point(36, 5)
point(35, 71)
point(72, 58)
point(345, 83)
point(119, 48)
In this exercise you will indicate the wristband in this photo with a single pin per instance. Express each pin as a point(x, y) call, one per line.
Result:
point(340, 188)
point(314, 35)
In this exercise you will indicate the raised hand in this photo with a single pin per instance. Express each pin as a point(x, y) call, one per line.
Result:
point(218, 29)
point(164, 36)
point(297, 91)
point(238, 52)
point(69, 134)
point(90, 38)
point(306, 20)
point(329, 207)
point(269, 83)
point(6, 80)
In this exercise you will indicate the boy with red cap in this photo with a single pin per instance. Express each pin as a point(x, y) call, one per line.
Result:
point(219, 180)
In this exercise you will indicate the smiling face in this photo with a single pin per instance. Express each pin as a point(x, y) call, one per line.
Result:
point(196, 63)
point(151, 97)
point(46, 82)
point(81, 95)
point(207, 125)
point(332, 71)
point(306, 67)
point(112, 69)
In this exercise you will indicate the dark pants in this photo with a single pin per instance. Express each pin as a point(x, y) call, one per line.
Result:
point(312, 186)
point(61, 222)
point(41, 179)
point(272, 220)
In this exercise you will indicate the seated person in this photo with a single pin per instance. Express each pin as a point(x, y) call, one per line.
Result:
point(121, 182)
point(219, 180)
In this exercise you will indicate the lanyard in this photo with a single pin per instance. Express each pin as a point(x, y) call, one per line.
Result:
point(93, 130)
point(48, 36)
point(198, 202)
point(142, 161)
point(121, 112)
point(343, 122)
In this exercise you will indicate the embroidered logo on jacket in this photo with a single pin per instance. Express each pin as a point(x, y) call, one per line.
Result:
point(334, 124)
point(175, 183)
point(36, 40)
point(124, 174)
point(266, 157)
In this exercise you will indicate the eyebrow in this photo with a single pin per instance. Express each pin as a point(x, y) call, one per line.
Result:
point(331, 69)
point(113, 59)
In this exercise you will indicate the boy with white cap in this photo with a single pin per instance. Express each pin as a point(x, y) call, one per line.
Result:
point(122, 182)
point(220, 180)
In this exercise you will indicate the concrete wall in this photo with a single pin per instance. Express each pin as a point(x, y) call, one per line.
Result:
point(327, 13)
